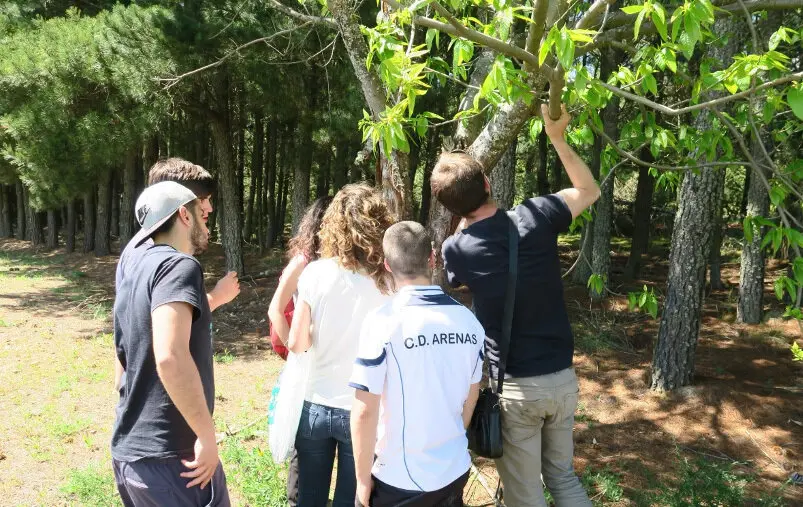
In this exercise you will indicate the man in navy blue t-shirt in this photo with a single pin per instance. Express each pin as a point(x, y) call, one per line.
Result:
point(541, 391)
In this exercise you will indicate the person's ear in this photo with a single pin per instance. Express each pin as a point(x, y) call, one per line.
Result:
point(184, 215)
point(432, 259)
point(487, 183)
point(387, 266)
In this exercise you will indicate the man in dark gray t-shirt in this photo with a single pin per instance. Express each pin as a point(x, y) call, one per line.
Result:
point(163, 444)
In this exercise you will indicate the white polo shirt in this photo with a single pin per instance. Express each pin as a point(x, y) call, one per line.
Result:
point(421, 351)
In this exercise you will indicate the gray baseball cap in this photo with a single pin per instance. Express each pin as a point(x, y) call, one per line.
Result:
point(156, 204)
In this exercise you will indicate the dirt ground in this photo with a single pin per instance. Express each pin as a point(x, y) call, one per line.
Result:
point(58, 404)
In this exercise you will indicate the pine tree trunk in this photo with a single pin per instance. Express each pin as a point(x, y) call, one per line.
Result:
point(699, 203)
point(269, 188)
point(114, 223)
point(301, 175)
point(89, 221)
point(429, 165)
point(503, 179)
point(35, 225)
point(281, 212)
point(126, 217)
point(69, 230)
point(556, 176)
point(150, 157)
point(543, 168)
point(5, 212)
point(21, 221)
point(603, 209)
point(341, 169)
point(242, 120)
point(255, 192)
point(751, 272)
point(229, 222)
point(585, 266)
point(322, 182)
point(103, 220)
point(30, 217)
point(715, 260)
point(641, 218)
point(52, 230)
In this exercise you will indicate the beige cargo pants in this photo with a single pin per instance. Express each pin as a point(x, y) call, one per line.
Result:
point(537, 423)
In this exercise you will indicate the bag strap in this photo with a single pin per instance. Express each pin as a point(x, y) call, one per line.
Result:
point(510, 297)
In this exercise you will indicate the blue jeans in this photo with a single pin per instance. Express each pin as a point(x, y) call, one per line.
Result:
point(321, 431)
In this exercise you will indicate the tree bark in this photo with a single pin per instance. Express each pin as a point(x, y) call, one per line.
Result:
point(715, 260)
point(29, 213)
point(542, 184)
point(322, 182)
point(5, 212)
point(129, 197)
point(269, 187)
point(52, 230)
point(503, 178)
point(341, 168)
point(285, 182)
point(89, 220)
point(21, 221)
point(230, 224)
point(114, 195)
point(150, 157)
point(699, 202)
point(255, 190)
point(103, 220)
point(34, 226)
point(641, 217)
point(69, 228)
point(301, 176)
point(603, 209)
point(469, 128)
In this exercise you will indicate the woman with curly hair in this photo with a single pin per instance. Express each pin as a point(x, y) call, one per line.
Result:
point(334, 295)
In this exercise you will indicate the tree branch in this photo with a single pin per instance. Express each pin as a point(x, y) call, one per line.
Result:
point(172, 81)
point(640, 162)
point(306, 18)
point(536, 32)
point(703, 105)
point(593, 13)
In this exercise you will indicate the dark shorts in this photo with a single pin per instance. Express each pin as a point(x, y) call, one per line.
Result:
point(158, 482)
point(385, 495)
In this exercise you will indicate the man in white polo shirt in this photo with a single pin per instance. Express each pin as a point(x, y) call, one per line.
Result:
point(417, 378)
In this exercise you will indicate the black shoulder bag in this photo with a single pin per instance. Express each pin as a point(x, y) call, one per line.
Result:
point(485, 430)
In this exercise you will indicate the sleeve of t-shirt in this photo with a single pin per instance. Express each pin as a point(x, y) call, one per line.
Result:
point(450, 255)
point(550, 209)
point(178, 280)
point(371, 365)
point(308, 286)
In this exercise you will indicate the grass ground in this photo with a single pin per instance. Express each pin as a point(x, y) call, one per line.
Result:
point(731, 439)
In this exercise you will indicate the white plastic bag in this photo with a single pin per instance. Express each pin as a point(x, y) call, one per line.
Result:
point(287, 401)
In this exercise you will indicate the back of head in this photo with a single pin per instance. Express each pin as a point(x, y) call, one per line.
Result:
point(407, 247)
point(306, 241)
point(458, 182)
point(192, 176)
point(352, 231)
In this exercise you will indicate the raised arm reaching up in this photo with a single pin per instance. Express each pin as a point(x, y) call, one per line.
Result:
point(584, 190)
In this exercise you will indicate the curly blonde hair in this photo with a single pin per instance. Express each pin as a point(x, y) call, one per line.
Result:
point(352, 230)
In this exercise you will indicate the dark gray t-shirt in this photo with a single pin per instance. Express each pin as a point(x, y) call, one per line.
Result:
point(148, 424)
point(541, 340)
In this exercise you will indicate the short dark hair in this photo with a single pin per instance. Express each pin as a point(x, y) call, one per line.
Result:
point(407, 247)
point(192, 176)
point(458, 182)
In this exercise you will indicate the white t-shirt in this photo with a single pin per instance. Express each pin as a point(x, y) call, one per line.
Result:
point(421, 351)
point(339, 300)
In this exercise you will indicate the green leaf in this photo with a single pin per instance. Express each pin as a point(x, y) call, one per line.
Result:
point(797, 269)
point(686, 43)
point(659, 21)
point(543, 52)
point(671, 60)
point(536, 125)
point(637, 26)
point(433, 36)
point(794, 97)
point(651, 84)
point(747, 227)
point(632, 9)
point(675, 28)
point(565, 49)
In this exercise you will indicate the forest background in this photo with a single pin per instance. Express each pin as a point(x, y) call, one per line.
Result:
point(689, 114)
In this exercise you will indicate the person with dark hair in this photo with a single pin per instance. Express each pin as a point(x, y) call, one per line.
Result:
point(163, 444)
point(303, 248)
point(335, 293)
point(540, 392)
point(416, 381)
point(202, 184)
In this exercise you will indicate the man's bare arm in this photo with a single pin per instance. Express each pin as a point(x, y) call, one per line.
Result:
point(584, 191)
point(471, 403)
point(284, 293)
point(364, 420)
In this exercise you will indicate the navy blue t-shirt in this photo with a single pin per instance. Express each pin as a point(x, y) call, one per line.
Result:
point(148, 424)
point(541, 341)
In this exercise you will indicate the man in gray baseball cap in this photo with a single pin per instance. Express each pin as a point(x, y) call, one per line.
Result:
point(163, 444)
